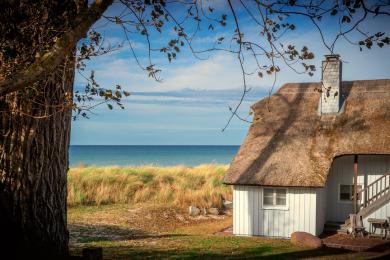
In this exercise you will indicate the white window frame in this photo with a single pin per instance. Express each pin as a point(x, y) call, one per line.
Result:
point(351, 187)
point(279, 207)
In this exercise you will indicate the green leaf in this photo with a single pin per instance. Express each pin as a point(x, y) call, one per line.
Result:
point(110, 106)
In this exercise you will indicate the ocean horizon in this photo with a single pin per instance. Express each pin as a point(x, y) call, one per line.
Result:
point(158, 155)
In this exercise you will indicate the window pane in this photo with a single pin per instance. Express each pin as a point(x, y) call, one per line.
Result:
point(268, 200)
point(345, 188)
point(281, 197)
point(280, 193)
point(268, 192)
point(345, 196)
point(345, 192)
point(281, 201)
point(268, 196)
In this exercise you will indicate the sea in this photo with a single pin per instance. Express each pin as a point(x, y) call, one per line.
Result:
point(158, 155)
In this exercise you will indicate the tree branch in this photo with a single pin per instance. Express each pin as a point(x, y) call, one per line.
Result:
point(48, 62)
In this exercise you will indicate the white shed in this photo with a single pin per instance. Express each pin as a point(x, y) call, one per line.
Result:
point(308, 152)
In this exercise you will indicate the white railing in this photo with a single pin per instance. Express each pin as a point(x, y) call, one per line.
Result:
point(374, 191)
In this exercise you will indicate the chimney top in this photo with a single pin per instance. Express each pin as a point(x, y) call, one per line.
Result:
point(332, 57)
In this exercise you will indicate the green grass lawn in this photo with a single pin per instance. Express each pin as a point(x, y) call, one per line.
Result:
point(128, 232)
point(204, 246)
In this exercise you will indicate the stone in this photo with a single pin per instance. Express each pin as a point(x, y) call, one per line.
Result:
point(227, 204)
point(193, 211)
point(303, 239)
point(213, 211)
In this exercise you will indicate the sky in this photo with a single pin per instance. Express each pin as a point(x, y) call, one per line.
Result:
point(190, 106)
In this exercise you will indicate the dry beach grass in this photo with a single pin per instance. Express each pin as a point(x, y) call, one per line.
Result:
point(177, 186)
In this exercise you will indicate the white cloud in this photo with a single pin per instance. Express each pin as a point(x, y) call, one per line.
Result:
point(218, 72)
point(222, 71)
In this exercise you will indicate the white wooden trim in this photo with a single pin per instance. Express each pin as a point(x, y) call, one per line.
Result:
point(275, 207)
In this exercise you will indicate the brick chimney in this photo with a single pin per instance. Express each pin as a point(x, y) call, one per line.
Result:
point(330, 102)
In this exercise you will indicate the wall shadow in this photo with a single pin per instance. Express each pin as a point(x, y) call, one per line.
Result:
point(94, 233)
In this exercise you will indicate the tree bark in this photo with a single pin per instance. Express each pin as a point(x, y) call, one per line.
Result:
point(34, 141)
point(34, 132)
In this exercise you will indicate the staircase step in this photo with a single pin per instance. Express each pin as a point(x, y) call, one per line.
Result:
point(342, 231)
point(337, 227)
point(344, 226)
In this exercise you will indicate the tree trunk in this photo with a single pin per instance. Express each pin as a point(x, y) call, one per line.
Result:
point(34, 141)
point(35, 131)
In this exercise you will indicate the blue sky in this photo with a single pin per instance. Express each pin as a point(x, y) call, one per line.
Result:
point(190, 105)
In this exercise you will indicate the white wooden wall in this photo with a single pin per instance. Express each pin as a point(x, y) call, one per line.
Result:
point(250, 219)
point(371, 167)
point(374, 167)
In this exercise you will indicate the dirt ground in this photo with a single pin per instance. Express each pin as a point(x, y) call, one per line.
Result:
point(158, 232)
point(108, 221)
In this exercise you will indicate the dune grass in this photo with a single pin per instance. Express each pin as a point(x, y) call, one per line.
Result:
point(177, 186)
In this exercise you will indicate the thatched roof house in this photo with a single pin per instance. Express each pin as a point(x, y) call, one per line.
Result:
point(310, 149)
point(291, 144)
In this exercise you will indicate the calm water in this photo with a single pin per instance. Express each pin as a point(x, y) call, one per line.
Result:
point(162, 155)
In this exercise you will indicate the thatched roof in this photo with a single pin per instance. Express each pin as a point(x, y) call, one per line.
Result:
point(292, 145)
